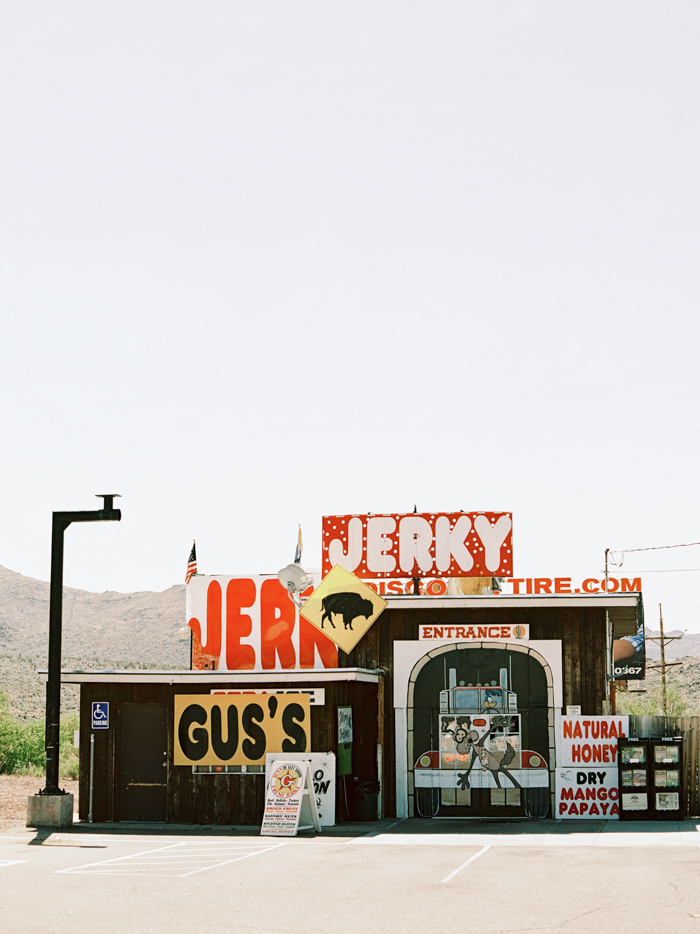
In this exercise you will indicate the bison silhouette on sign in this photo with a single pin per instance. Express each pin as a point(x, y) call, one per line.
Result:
point(348, 605)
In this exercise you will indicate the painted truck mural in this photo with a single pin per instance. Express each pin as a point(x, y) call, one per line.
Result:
point(484, 746)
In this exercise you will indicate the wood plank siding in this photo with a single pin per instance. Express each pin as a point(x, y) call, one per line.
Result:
point(238, 799)
point(215, 798)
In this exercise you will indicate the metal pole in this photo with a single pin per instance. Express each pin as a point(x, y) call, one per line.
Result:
point(607, 552)
point(663, 662)
point(53, 683)
point(92, 774)
point(60, 522)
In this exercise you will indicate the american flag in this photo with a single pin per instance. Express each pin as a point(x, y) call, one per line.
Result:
point(191, 565)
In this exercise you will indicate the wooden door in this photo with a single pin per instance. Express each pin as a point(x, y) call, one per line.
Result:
point(142, 762)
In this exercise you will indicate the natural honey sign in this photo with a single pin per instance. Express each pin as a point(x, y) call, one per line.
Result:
point(343, 608)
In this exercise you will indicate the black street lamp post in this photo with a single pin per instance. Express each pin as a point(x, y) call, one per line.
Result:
point(61, 521)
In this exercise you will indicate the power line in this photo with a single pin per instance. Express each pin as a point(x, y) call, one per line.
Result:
point(625, 551)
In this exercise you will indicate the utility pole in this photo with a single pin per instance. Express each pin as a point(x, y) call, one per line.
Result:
point(662, 640)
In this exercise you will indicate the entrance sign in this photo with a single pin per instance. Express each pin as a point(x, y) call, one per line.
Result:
point(441, 544)
point(247, 623)
point(290, 804)
point(239, 729)
point(343, 608)
point(100, 715)
point(519, 632)
point(323, 773)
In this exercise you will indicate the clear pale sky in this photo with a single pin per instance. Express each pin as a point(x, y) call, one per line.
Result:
point(267, 261)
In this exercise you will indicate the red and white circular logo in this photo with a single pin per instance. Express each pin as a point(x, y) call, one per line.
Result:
point(285, 781)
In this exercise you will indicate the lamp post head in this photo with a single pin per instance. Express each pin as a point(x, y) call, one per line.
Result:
point(108, 499)
point(108, 504)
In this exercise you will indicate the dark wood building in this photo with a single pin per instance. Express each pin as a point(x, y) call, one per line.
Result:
point(427, 684)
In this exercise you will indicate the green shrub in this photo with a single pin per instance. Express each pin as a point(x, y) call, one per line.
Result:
point(22, 744)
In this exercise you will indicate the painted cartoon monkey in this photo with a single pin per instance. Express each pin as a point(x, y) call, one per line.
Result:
point(488, 760)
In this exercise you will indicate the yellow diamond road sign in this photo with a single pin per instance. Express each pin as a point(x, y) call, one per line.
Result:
point(343, 608)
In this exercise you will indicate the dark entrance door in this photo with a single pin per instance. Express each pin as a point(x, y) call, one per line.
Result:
point(480, 735)
point(142, 759)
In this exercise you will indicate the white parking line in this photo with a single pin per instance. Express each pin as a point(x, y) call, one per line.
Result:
point(610, 839)
point(171, 860)
point(12, 862)
point(470, 860)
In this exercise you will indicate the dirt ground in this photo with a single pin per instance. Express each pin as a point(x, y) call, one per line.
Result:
point(14, 791)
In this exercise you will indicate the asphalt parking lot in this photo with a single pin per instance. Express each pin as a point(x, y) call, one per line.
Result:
point(391, 876)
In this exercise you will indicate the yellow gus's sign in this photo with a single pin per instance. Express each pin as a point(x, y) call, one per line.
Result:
point(239, 729)
point(343, 608)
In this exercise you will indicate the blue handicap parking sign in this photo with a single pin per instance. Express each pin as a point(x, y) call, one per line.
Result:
point(100, 715)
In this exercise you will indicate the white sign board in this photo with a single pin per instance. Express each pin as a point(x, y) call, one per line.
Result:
point(587, 742)
point(344, 724)
point(289, 800)
point(317, 696)
point(586, 775)
point(323, 774)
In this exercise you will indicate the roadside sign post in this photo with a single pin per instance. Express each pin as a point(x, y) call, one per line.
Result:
point(100, 715)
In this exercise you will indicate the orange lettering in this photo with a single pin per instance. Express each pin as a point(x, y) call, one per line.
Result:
point(239, 593)
point(213, 643)
point(587, 589)
point(543, 585)
point(311, 638)
point(562, 585)
point(631, 586)
point(277, 614)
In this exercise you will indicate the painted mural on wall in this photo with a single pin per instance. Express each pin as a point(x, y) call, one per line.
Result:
point(481, 734)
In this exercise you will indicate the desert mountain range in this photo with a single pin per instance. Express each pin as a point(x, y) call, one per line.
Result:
point(125, 630)
point(140, 628)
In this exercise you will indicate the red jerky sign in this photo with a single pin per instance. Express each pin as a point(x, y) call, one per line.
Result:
point(457, 544)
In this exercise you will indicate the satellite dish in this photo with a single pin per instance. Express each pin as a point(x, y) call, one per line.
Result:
point(294, 578)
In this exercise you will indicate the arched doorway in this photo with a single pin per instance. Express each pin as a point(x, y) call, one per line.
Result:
point(480, 737)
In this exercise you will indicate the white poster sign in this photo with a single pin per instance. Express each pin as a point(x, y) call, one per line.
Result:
point(587, 784)
point(589, 741)
point(587, 793)
point(289, 800)
point(323, 774)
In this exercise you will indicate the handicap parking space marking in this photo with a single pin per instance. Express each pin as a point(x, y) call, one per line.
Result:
point(11, 862)
point(178, 859)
